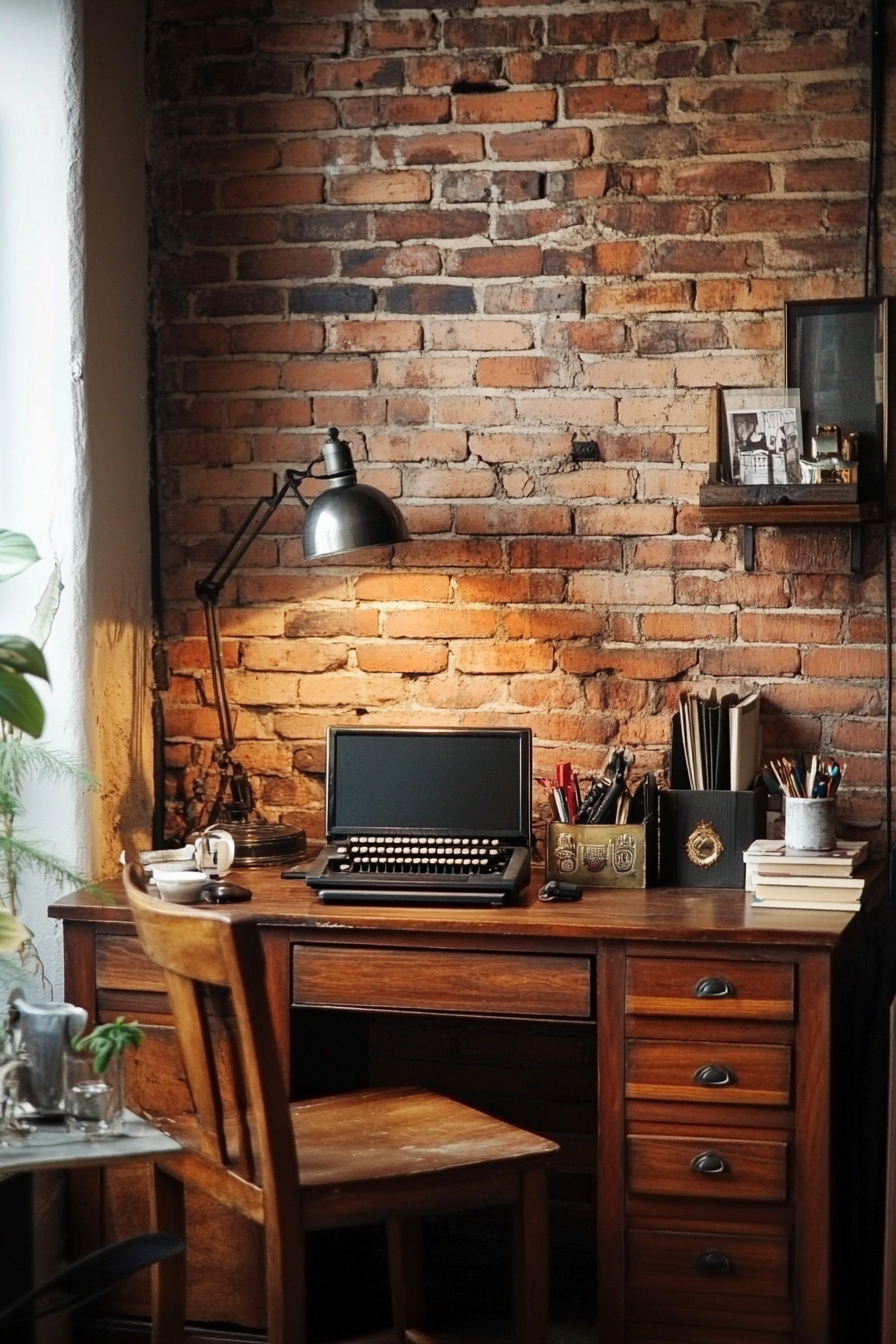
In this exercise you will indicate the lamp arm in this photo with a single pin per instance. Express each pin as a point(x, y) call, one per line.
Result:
point(208, 590)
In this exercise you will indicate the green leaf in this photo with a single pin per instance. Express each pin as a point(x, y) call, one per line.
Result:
point(13, 932)
point(17, 552)
point(19, 704)
point(18, 654)
point(109, 1039)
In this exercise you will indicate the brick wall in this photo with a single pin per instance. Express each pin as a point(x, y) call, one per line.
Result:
point(469, 236)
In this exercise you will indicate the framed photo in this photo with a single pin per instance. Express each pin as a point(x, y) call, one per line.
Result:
point(765, 436)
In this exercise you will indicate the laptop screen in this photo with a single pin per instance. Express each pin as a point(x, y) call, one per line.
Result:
point(445, 781)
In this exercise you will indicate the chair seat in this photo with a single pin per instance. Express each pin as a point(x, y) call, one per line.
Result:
point(385, 1134)
point(401, 1132)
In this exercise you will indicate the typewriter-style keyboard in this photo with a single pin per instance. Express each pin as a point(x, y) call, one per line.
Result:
point(426, 855)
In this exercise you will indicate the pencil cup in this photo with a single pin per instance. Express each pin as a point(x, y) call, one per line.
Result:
point(810, 823)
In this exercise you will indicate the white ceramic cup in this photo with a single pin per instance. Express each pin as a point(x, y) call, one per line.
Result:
point(810, 823)
point(215, 852)
point(182, 888)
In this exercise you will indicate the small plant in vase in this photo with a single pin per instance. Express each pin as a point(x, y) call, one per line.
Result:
point(94, 1078)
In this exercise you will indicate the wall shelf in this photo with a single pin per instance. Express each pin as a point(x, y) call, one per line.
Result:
point(751, 516)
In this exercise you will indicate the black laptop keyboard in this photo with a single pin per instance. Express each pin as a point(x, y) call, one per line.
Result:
point(428, 856)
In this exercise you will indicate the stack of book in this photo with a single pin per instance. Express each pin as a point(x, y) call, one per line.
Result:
point(805, 879)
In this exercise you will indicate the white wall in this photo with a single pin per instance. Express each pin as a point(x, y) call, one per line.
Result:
point(73, 458)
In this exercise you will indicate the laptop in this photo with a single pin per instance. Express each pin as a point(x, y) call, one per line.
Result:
point(428, 816)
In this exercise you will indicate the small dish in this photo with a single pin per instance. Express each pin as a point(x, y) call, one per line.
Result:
point(169, 860)
point(180, 887)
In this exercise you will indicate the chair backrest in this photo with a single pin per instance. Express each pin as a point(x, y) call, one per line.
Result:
point(215, 977)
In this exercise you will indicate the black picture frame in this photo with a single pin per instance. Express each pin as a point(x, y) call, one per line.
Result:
point(839, 352)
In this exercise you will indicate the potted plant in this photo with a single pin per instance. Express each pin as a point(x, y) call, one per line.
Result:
point(94, 1078)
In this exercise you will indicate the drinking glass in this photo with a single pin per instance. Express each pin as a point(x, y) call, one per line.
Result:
point(94, 1102)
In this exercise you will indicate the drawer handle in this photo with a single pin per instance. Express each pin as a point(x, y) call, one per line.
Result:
point(714, 987)
point(715, 1075)
point(709, 1164)
point(715, 1262)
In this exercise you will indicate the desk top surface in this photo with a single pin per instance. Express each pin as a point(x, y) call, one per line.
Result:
point(659, 914)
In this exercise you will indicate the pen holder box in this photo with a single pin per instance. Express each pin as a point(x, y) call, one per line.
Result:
point(602, 856)
point(704, 832)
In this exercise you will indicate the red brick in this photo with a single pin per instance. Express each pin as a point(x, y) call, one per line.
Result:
point(349, 410)
point(328, 375)
point(722, 179)
point(867, 630)
point(376, 336)
point(631, 25)
point(285, 263)
point(323, 39)
point(395, 110)
point(421, 659)
point(350, 689)
point(578, 30)
point(232, 376)
point(681, 25)
point(423, 371)
point(746, 137)
point(524, 146)
point(380, 188)
point(499, 589)
point(518, 33)
point(233, 230)
point(294, 114)
point(699, 254)
point(194, 339)
point(200, 269)
point(402, 587)
point(408, 410)
point(802, 697)
point(744, 590)
point(847, 664)
point(638, 447)
point(490, 108)
point(391, 262)
point(603, 100)
point(581, 184)
point(298, 338)
point(510, 519)
point(293, 655)
point(730, 22)
point(341, 151)
point(636, 664)
point(858, 736)
point(271, 412)
point(497, 658)
point(378, 72)
point(517, 371)
point(401, 34)
point(772, 216)
point(560, 553)
point(443, 483)
point(477, 262)
point(554, 622)
point(625, 520)
point(694, 628)
point(647, 296)
point(443, 445)
point(429, 72)
point(279, 189)
point(475, 411)
point(440, 623)
point(545, 219)
point(469, 333)
point(757, 661)
point(456, 147)
point(559, 67)
point(409, 224)
point(514, 447)
point(817, 53)
point(825, 175)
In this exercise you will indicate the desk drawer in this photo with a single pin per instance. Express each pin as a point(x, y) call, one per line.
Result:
point(709, 988)
point(445, 982)
point(122, 964)
point(708, 1071)
point(707, 1167)
point(699, 1263)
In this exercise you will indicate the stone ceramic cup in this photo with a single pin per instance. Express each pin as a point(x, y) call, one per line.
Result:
point(810, 823)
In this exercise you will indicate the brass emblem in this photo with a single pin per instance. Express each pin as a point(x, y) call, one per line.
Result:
point(624, 854)
point(704, 845)
point(565, 853)
point(594, 857)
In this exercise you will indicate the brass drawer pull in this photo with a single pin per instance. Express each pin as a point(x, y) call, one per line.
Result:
point(715, 1075)
point(715, 1262)
point(714, 987)
point(709, 1164)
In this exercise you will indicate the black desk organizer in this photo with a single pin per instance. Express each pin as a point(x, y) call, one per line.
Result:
point(704, 832)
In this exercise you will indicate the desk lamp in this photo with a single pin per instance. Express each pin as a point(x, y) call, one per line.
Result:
point(344, 517)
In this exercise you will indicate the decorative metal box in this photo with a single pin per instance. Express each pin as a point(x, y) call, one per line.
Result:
point(603, 856)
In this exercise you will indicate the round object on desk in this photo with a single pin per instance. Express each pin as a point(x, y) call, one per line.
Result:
point(224, 893)
point(181, 888)
point(258, 843)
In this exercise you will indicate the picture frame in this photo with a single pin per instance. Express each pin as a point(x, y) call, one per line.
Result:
point(764, 442)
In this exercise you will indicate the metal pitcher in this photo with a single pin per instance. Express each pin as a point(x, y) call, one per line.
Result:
point(45, 1030)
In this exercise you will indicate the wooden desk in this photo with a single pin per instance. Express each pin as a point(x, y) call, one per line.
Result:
point(714, 1208)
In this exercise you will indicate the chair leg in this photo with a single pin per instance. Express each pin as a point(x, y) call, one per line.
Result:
point(169, 1277)
point(405, 1243)
point(530, 1258)
point(285, 1279)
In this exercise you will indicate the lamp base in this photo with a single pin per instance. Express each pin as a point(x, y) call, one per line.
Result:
point(261, 843)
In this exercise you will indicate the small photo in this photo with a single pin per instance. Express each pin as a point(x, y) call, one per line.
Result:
point(764, 445)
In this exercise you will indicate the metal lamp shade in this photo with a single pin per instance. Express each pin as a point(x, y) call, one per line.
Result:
point(349, 517)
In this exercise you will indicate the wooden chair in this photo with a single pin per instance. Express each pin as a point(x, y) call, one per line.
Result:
point(384, 1155)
